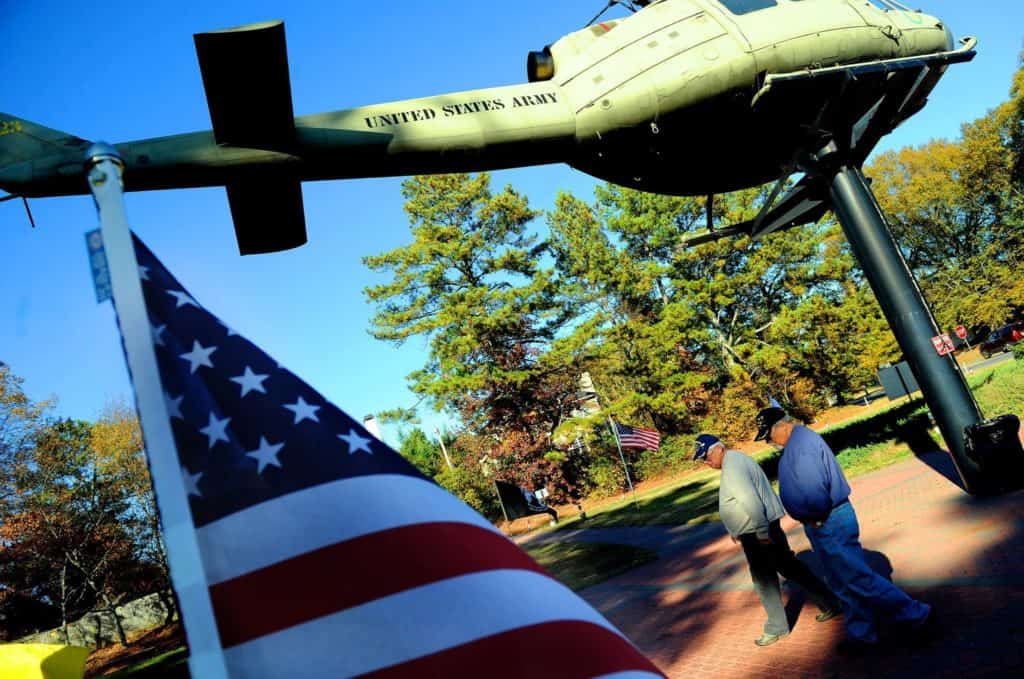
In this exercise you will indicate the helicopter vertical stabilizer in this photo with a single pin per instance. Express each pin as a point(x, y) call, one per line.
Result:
point(245, 75)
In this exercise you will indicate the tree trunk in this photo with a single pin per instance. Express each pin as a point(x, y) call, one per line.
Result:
point(64, 602)
point(117, 619)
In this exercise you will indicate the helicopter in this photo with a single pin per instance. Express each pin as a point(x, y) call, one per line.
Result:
point(681, 97)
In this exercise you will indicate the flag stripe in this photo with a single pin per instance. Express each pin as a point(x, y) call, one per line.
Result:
point(381, 564)
point(410, 625)
point(638, 437)
point(324, 515)
point(563, 649)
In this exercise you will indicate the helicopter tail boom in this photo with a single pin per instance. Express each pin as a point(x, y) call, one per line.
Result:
point(26, 148)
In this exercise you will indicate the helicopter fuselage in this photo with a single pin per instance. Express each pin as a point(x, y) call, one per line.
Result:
point(659, 101)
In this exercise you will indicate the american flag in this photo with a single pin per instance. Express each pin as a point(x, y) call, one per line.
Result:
point(325, 552)
point(638, 437)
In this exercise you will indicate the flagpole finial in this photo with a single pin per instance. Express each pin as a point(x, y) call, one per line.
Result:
point(95, 156)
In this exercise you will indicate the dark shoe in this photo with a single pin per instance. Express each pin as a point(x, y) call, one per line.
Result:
point(769, 639)
point(825, 616)
point(924, 630)
point(855, 647)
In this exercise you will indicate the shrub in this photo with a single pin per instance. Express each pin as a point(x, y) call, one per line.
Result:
point(473, 489)
point(673, 456)
point(607, 477)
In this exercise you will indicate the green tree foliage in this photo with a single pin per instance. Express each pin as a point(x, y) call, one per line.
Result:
point(116, 441)
point(71, 519)
point(21, 420)
point(680, 336)
point(421, 451)
point(66, 526)
point(957, 210)
point(472, 285)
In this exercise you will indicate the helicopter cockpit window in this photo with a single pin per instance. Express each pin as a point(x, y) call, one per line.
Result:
point(747, 6)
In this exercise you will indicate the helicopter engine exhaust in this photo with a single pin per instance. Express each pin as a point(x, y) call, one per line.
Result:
point(540, 65)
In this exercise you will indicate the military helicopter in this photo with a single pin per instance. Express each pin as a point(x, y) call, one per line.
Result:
point(684, 97)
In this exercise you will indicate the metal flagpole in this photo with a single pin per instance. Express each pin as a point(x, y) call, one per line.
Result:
point(206, 657)
point(444, 450)
point(502, 504)
point(618, 444)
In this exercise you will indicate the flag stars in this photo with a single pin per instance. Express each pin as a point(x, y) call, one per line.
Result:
point(250, 381)
point(266, 454)
point(199, 356)
point(158, 330)
point(144, 273)
point(216, 430)
point(356, 442)
point(303, 411)
point(174, 406)
point(191, 482)
point(183, 299)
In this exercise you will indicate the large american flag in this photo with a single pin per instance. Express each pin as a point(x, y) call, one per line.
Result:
point(637, 437)
point(326, 553)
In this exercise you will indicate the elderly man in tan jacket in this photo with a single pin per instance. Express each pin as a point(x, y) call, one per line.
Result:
point(751, 512)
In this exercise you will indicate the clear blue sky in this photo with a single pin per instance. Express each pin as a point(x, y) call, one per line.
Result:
point(119, 71)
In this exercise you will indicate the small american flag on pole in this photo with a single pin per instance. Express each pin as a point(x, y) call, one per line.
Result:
point(326, 553)
point(638, 437)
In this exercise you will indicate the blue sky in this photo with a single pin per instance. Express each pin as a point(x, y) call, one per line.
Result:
point(119, 71)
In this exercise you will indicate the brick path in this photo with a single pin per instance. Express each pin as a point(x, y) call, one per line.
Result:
point(694, 611)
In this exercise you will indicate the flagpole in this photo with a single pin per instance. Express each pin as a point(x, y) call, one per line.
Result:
point(501, 503)
point(206, 657)
point(618, 444)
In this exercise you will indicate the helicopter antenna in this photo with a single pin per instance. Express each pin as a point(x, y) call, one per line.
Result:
point(633, 6)
point(28, 211)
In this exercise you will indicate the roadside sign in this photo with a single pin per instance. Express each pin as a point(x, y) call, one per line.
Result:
point(961, 332)
point(943, 344)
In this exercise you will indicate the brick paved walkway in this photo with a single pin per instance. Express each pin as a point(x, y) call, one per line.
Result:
point(694, 611)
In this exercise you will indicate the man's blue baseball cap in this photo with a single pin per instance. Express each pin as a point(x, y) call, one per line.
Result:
point(704, 443)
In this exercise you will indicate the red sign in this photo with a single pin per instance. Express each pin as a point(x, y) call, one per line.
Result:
point(943, 344)
point(961, 332)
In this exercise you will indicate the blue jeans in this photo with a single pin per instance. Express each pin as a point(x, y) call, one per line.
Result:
point(864, 593)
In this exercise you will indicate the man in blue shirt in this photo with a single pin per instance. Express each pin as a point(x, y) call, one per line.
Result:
point(815, 492)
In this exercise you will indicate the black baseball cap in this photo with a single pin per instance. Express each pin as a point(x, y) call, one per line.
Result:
point(766, 419)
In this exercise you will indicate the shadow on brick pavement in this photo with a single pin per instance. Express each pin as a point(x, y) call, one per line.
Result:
point(694, 611)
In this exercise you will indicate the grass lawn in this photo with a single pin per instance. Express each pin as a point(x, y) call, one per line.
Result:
point(169, 665)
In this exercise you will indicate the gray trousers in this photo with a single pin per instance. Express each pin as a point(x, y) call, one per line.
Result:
point(767, 562)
